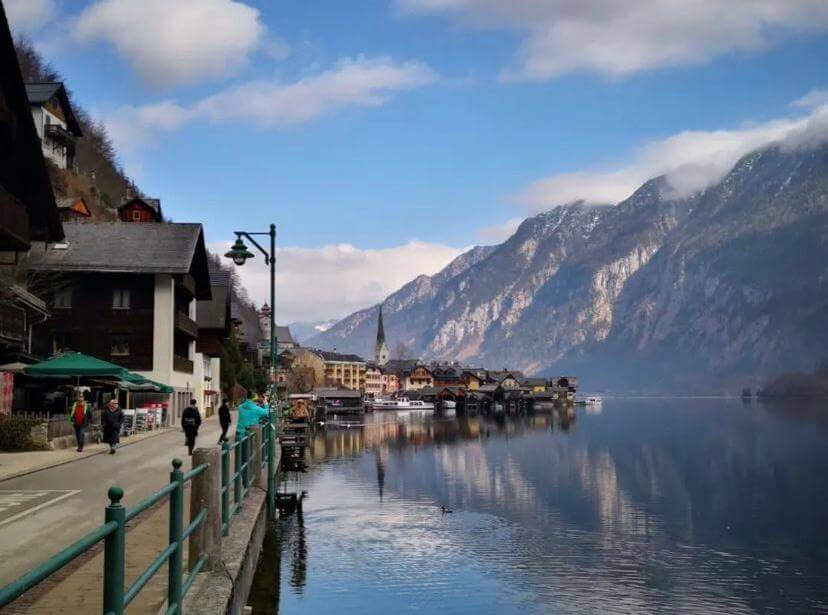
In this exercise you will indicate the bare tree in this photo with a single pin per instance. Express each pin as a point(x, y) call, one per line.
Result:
point(402, 351)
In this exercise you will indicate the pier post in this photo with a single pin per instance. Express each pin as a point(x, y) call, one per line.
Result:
point(257, 478)
point(206, 495)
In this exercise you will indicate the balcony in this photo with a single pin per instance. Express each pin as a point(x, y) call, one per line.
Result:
point(186, 325)
point(180, 364)
point(186, 284)
point(58, 133)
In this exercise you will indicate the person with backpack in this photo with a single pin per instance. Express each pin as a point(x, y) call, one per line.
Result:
point(191, 421)
point(80, 416)
point(224, 419)
point(111, 420)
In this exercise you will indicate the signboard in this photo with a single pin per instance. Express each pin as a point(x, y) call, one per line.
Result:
point(6, 392)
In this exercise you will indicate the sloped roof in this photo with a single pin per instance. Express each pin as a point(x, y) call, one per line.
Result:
point(69, 202)
point(40, 93)
point(283, 335)
point(337, 356)
point(152, 204)
point(214, 313)
point(121, 247)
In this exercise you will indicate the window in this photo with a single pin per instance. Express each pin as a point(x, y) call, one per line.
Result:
point(61, 341)
point(63, 299)
point(120, 299)
point(120, 345)
point(136, 215)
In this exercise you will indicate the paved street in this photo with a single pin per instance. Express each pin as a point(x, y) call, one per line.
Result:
point(45, 511)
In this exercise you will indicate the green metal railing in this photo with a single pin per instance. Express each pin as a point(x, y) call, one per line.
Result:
point(116, 596)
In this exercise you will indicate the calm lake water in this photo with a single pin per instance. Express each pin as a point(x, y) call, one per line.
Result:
point(696, 506)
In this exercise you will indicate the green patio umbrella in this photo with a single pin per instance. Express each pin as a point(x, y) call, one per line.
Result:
point(76, 364)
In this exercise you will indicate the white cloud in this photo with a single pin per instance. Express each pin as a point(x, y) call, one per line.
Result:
point(175, 41)
point(28, 15)
point(498, 233)
point(812, 100)
point(366, 82)
point(333, 281)
point(622, 37)
point(690, 160)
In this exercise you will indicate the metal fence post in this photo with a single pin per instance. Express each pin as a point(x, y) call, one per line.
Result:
point(246, 461)
point(225, 487)
point(174, 568)
point(237, 464)
point(114, 555)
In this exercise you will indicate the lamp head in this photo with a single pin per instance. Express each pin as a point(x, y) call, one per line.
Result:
point(239, 252)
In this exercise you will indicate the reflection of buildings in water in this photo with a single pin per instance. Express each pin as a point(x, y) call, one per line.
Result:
point(299, 563)
point(380, 470)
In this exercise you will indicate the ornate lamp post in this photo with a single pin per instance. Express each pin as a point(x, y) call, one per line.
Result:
point(239, 254)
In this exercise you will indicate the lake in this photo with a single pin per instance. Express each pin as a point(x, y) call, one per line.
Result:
point(646, 505)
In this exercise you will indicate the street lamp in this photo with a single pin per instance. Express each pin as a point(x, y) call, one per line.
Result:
point(239, 255)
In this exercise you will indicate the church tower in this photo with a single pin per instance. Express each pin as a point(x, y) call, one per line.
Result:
point(381, 351)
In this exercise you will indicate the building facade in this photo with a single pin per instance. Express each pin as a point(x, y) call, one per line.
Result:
point(344, 370)
point(55, 122)
point(373, 380)
point(128, 294)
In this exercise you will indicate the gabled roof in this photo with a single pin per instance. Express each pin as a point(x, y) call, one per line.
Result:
point(26, 199)
point(74, 203)
point(283, 335)
point(41, 93)
point(214, 313)
point(121, 247)
point(400, 367)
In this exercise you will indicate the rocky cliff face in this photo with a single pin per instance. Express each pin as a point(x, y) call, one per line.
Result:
point(702, 293)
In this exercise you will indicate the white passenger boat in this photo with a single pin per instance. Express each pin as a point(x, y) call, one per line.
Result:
point(593, 400)
point(403, 403)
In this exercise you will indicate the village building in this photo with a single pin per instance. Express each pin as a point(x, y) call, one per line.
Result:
point(306, 365)
point(55, 122)
point(73, 209)
point(506, 379)
point(140, 209)
point(446, 376)
point(390, 383)
point(373, 380)
point(472, 379)
point(214, 322)
point(534, 385)
point(28, 215)
point(344, 370)
point(417, 378)
point(127, 293)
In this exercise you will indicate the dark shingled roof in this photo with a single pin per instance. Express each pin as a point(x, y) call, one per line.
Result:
point(40, 93)
point(283, 335)
point(121, 247)
point(336, 356)
point(213, 313)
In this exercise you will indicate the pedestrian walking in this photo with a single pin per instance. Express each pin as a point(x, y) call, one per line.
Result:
point(191, 421)
point(80, 417)
point(224, 419)
point(111, 420)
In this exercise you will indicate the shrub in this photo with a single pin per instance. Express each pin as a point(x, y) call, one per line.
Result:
point(15, 433)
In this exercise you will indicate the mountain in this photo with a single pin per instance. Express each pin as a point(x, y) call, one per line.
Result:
point(699, 294)
point(302, 331)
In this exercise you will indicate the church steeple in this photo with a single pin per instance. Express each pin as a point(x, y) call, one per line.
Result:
point(381, 350)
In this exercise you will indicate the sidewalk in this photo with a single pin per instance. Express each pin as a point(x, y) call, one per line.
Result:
point(13, 465)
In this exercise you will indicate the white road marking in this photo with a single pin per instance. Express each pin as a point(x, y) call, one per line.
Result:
point(9, 499)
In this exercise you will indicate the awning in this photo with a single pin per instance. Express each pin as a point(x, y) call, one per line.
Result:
point(77, 364)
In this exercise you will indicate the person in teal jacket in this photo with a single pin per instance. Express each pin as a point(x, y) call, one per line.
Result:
point(249, 414)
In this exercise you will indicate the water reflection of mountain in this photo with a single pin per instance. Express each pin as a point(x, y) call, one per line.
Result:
point(663, 501)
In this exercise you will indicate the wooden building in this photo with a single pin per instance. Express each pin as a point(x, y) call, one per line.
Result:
point(73, 209)
point(55, 122)
point(127, 293)
point(140, 209)
point(213, 319)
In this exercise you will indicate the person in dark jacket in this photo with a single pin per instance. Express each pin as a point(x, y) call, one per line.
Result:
point(224, 419)
point(80, 416)
point(191, 421)
point(111, 420)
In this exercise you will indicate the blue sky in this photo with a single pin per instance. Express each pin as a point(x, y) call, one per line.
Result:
point(410, 129)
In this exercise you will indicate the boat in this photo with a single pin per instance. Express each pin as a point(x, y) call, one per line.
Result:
point(403, 403)
point(383, 404)
point(593, 400)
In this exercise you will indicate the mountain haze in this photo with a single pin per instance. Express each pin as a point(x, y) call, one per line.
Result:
point(703, 293)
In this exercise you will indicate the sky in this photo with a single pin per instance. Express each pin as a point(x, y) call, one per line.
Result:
point(384, 137)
